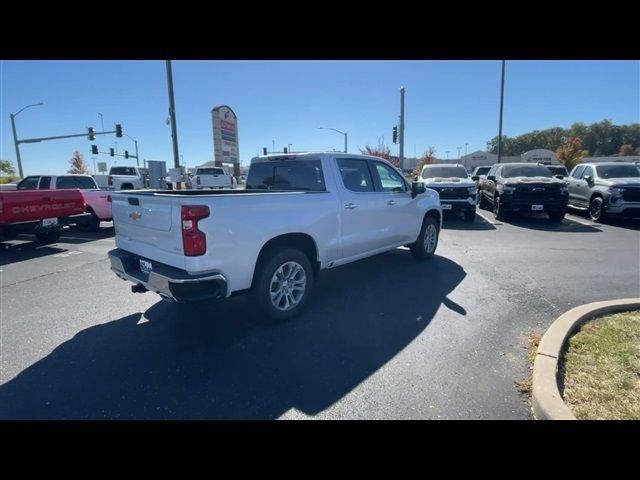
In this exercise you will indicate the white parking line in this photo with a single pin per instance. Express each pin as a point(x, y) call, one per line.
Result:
point(487, 220)
point(581, 222)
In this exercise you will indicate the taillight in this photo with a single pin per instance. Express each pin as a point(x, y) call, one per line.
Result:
point(198, 180)
point(193, 240)
point(110, 180)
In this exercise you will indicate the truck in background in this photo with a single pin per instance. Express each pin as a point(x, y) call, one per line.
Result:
point(211, 178)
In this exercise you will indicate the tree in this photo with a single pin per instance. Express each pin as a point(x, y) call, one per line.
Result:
point(77, 164)
point(571, 152)
point(381, 151)
point(6, 168)
point(626, 150)
point(427, 158)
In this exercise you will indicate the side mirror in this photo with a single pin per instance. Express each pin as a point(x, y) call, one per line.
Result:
point(417, 188)
point(560, 177)
point(588, 178)
point(491, 177)
point(475, 178)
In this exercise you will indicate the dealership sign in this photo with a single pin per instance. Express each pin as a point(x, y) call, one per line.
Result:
point(225, 135)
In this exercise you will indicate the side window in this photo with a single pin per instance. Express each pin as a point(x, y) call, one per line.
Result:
point(387, 179)
point(29, 183)
point(577, 172)
point(67, 182)
point(587, 171)
point(355, 175)
point(45, 183)
point(492, 171)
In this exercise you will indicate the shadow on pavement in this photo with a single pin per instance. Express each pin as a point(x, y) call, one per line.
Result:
point(25, 247)
point(452, 222)
point(541, 222)
point(224, 360)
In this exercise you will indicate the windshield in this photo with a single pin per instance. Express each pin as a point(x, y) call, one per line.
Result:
point(557, 170)
point(209, 171)
point(617, 171)
point(525, 171)
point(444, 171)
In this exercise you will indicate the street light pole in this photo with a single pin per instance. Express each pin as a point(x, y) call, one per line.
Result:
point(401, 127)
point(101, 120)
point(172, 116)
point(342, 133)
point(136, 143)
point(501, 104)
point(15, 135)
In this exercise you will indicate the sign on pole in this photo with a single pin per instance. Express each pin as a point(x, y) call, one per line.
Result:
point(102, 167)
point(225, 137)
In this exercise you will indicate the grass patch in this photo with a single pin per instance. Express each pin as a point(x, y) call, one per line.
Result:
point(525, 386)
point(600, 371)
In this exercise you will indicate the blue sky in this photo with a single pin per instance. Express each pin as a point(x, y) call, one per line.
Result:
point(448, 104)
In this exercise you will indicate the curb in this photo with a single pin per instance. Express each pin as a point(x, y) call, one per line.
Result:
point(546, 399)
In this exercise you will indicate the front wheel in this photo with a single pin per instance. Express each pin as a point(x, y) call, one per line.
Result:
point(283, 283)
point(596, 209)
point(425, 246)
point(92, 225)
point(483, 204)
point(499, 211)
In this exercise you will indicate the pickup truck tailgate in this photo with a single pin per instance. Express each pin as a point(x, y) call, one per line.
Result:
point(148, 225)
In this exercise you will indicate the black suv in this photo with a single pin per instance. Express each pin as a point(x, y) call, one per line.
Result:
point(523, 187)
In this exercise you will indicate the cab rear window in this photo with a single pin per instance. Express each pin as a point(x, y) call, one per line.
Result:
point(287, 175)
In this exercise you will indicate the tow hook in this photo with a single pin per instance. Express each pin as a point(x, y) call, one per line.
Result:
point(139, 288)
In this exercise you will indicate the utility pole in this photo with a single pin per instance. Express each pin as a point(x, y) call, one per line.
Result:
point(401, 127)
point(172, 116)
point(501, 104)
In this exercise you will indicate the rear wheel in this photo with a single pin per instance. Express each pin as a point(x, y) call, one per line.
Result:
point(92, 225)
point(283, 283)
point(425, 246)
point(49, 237)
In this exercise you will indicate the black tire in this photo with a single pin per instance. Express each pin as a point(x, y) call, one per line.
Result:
point(49, 237)
point(484, 205)
point(596, 209)
point(470, 215)
point(556, 216)
point(424, 247)
point(92, 225)
point(126, 186)
point(282, 260)
point(498, 210)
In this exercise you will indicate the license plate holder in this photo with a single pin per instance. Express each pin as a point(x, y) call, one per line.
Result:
point(49, 222)
point(537, 207)
point(145, 266)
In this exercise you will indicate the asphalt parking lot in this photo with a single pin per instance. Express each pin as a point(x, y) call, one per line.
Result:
point(385, 337)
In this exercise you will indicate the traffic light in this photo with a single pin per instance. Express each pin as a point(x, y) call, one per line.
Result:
point(285, 150)
point(94, 150)
point(111, 152)
point(92, 134)
point(126, 154)
point(118, 130)
point(395, 134)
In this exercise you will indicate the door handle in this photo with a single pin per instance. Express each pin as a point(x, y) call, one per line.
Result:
point(350, 206)
point(391, 203)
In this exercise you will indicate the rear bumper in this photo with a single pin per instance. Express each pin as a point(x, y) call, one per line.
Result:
point(169, 282)
point(36, 226)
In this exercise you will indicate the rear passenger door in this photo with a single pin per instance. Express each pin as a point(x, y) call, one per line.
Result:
point(573, 185)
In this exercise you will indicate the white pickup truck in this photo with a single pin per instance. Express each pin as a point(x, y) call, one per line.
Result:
point(211, 177)
point(299, 214)
point(98, 201)
point(127, 178)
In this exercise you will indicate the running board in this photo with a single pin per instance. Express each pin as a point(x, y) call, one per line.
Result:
point(578, 208)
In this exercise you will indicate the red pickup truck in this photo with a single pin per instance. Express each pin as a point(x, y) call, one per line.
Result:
point(43, 212)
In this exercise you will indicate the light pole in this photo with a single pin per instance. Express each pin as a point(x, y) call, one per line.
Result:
point(101, 120)
point(459, 148)
point(342, 133)
point(15, 135)
point(501, 104)
point(465, 155)
point(289, 147)
point(447, 154)
point(136, 142)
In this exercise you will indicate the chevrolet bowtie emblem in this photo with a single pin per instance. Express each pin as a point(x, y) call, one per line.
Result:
point(135, 216)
